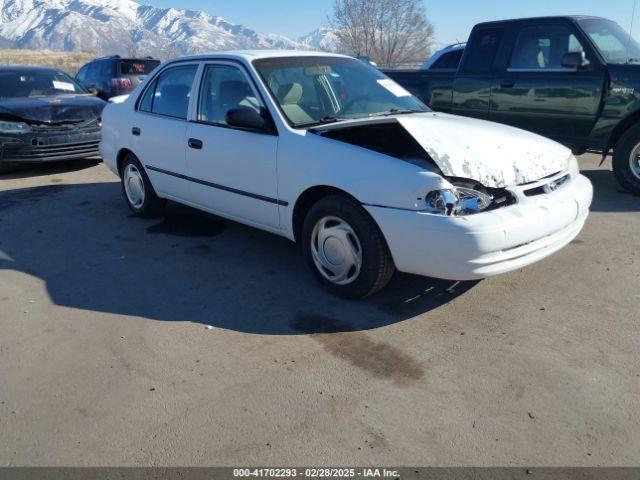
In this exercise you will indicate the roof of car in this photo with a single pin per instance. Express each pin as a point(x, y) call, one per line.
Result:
point(529, 19)
point(26, 68)
point(249, 55)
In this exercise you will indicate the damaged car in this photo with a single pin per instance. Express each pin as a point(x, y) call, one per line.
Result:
point(45, 116)
point(329, 152)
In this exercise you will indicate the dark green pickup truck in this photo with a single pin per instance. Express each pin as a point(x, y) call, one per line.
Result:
point(573, 79)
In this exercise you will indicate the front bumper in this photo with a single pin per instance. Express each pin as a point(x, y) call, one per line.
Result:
point(490, 243)
point(50, 146)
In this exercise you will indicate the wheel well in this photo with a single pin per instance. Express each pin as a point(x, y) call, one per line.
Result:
point(308, 199)
point(120, 158)
point(627, 122)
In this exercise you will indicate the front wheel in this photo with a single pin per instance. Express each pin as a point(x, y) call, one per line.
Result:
point(626, 160)
point(138, 191)
point(345, 249)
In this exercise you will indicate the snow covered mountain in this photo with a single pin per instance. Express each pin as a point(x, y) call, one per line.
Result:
point(124, 27)
point(324, 38)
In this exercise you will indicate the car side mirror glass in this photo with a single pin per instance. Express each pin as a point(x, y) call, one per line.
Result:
point(575, 60)
point(245, 117)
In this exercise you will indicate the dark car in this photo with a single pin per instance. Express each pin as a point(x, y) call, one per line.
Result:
point(113, 76)
point(45, 116)
point(574, 79)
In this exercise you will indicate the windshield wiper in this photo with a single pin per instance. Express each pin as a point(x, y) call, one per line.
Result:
point(395, 111)
point(322, 121)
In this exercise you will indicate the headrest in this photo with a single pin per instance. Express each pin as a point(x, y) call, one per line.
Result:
point(232, 92)
point(290, 93)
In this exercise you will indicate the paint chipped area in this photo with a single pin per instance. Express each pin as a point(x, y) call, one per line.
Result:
point(495, 155)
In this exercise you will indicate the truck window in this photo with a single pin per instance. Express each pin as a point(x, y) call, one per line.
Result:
point(482, 50)
point(448, 61)
point(542, 48)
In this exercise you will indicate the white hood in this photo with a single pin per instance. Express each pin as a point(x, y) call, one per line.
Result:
point(493, 154)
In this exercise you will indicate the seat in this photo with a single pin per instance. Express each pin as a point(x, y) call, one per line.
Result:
point(289, 96)
point(231, 94)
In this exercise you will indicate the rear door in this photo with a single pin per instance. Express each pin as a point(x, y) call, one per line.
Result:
point(476, 77)
point(158, 129)
point(537, 93)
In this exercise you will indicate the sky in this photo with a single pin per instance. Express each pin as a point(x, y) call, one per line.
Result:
point(453, 19)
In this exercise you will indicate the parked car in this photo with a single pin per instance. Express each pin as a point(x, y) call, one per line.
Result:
point(446, 59)
point(45, 116)
point(114, 76)
point(329, 152)
point(573, 79)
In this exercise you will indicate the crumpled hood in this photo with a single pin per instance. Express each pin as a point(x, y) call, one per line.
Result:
point(64, 108)
point(493, 154)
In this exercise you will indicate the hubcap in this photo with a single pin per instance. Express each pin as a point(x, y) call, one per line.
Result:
point(634, 161)
point(336, 250)
point(133, 186)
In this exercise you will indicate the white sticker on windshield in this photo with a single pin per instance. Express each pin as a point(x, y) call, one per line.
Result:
point(393, 87)
point(65, 86)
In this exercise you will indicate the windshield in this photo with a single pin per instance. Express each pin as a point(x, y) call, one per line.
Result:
point(316, 90)
point(25, 84)
point(615, 45)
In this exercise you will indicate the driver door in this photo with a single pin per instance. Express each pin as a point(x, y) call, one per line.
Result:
point(233, 170)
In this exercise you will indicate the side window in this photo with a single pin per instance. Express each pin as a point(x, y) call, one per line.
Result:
point(448, 61)
point(173, 91)
point(224, 88)
point(482, 50)
point(93, 70)
point(82, 74)
point(147, 101)
point(106, 69)
point(542, 47)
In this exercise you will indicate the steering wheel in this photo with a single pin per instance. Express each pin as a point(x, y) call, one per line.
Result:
point(351, 102)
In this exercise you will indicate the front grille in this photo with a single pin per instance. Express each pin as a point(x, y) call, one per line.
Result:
point(549, 187)
point(50, 152)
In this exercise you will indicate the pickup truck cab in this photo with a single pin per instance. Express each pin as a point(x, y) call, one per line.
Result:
point(574, 79)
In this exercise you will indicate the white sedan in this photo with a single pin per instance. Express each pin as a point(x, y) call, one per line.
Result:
point(327, 151)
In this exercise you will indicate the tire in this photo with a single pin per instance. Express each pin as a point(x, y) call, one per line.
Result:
point(138, 191)
point(349, 236)
point(626, 163)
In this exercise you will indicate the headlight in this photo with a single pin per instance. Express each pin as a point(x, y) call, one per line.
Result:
point(14, 127)
point(574, 168)
point(457, 201)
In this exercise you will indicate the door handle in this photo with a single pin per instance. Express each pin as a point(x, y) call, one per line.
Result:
point(195, 143)
point(135, 131)
point(507, 83)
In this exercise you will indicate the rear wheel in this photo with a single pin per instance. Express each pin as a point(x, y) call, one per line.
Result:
point(138, 191)
point(626, 160)
point(345, 249)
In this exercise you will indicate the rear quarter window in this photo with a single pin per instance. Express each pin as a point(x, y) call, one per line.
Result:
point(481, 51)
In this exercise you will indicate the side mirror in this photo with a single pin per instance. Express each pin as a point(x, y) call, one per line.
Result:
point(575, 60)
point(92, 89)
point(245, 117)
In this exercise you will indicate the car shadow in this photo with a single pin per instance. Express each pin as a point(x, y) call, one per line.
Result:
point(42, 169)
point(93, 255)
point(609, 195)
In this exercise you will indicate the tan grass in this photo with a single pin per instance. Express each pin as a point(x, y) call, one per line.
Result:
point(69, 62)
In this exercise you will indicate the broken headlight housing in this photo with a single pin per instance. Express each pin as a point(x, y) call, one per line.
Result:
point(466, 197)
point(13, 127)
point(457, 201)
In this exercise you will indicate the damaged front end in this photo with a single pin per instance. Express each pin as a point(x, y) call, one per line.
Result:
point(459, 196)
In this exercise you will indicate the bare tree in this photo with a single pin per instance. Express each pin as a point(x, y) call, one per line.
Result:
point(390, 32)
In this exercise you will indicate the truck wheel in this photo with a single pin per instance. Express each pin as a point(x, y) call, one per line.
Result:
point(626, 160)
point(345, 249)
point(138, 191)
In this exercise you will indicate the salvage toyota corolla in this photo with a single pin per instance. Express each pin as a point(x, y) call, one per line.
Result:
point(329, 152)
